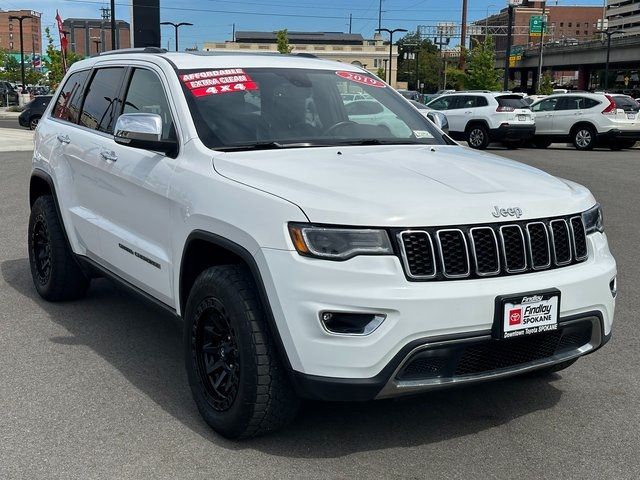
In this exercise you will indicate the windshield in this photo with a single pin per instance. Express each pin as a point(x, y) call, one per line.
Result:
point(252, 108)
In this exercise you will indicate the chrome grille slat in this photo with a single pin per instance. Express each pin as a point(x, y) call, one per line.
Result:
point(451, 243)
point(484, 256)
point(579, 238)
point(514, 249)
point(495, 249)
point(560, 241)
point(539, 247)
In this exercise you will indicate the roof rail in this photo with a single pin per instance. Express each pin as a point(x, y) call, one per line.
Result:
point(132, 50)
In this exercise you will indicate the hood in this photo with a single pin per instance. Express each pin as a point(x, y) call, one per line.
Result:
point(407, 185)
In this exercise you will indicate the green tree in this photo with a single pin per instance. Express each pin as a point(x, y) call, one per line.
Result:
point(53, 61)
point(482, 74)
point(456, 78)
point(11, 71)
point(429, 62)
point(380, 73)
point(282, 37)
point(546, 86)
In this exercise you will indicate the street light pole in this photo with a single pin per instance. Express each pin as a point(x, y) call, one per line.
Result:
point(176, 26)
point(20, 19)
point(113, 24)
point(609, 34)
point(507, 53)
point(542, 30)
point(486, 21)
point(391, 32)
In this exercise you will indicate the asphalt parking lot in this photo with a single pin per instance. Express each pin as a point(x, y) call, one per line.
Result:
point(96, 388)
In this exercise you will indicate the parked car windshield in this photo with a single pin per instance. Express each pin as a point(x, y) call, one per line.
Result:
point(235, 109)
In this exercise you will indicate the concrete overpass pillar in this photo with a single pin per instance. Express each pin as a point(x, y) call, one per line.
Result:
point(524, 78)
point(584, 72)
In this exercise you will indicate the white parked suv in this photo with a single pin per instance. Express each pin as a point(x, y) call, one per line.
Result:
point(484, 117)
point(586, 120)
point(310, 254)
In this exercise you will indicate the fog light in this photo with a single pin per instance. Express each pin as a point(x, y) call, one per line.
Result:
point(343, 323)
point(613, 286)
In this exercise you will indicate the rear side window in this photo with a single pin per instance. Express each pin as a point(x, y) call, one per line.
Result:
point(68, 103)
point(102, 103)
point(589, 103)
point(513, 101)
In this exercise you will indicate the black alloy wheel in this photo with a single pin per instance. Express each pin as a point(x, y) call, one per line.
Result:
point(216, 353)
point(41, 250)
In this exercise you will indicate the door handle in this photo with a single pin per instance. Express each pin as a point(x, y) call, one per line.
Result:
point(63, 138)
point(109, 155)
point(468, 112)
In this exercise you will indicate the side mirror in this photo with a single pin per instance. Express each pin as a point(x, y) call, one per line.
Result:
point(143, 130)
point(440, 120)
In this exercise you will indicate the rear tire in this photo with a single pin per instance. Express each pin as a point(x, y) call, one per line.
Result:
point(622, 144)
point(55, 272)
point(584, 137)
point(541, 143)
point(478, 137)
point(237, 380)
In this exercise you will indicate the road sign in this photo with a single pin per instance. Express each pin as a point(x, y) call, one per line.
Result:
point(535, 25)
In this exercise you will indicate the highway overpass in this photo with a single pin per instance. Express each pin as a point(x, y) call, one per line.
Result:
point(584, 57)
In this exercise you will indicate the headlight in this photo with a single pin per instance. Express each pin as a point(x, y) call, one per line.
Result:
point(339, 243)
point(593, 220)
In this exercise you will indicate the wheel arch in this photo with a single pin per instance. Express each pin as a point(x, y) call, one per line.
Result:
point(218, 250)
point(582, 123)
point(474, 122)
point(40, 184)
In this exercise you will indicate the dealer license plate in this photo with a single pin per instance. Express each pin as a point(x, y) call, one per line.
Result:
point(528, 314)
point(631, 116)
point(522, 118)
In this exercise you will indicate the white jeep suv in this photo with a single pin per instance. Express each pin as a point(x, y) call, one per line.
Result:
point(482, 117)
point(310, 253)
point(586, 120)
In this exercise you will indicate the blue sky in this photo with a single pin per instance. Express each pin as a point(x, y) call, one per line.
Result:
point(212, 19)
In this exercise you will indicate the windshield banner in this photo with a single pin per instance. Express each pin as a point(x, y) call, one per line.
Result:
point(363, 79)
point(213, 82)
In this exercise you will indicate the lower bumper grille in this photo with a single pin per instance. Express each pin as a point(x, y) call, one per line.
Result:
point(491, 355)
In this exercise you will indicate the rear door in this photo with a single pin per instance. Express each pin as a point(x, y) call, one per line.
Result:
point(568, 112)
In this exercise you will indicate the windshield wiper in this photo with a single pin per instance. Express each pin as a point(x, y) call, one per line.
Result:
point(269, 146)
point(376, 141)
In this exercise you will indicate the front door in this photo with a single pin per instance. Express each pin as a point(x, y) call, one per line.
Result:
point(544, 112)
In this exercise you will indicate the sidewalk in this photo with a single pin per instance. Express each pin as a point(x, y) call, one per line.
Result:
point(14, 140)
point(5, 114)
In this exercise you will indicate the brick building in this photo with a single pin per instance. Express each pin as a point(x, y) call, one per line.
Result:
point(10, 31)
point(88, 36)
point(565, 24)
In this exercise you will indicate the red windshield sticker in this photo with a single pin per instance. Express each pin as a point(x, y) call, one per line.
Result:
point(213, 82)
point(363, 79)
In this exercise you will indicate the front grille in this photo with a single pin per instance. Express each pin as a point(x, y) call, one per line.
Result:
point(474, 251)
point(479, 357)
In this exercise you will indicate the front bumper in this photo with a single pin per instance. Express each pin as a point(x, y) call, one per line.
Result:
point(23, 119)
point(331, 366)
point(512, 132)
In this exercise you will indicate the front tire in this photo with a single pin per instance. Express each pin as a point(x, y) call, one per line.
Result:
point(478, 137)
point(237, 380)
point(584, 137)
point(55, 272)
point(33, 122)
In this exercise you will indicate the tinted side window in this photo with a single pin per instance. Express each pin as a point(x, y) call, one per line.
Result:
point(570, 103)
point(146, 95)
point(68, 103)
point(101, 103)
point(443, 103)
point(547, 105)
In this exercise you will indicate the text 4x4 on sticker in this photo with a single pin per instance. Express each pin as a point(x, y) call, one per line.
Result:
point(213, 82)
